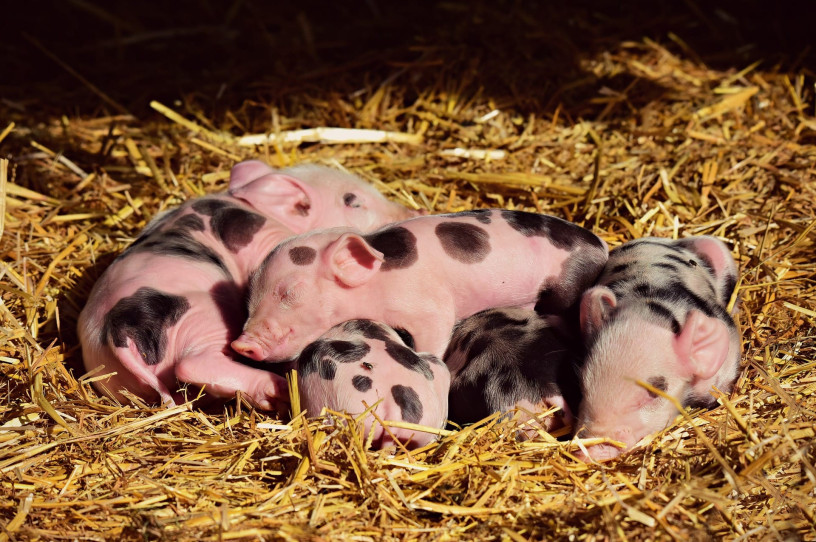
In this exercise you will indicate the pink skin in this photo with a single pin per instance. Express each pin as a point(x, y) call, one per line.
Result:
point(339, 394)
point(197, 350)
point(291, 305)
point(632, 346)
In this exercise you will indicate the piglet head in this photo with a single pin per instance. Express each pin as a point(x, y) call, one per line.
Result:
point(310, 197)
point(303, 287)
point(362, 363)
point(628, 344)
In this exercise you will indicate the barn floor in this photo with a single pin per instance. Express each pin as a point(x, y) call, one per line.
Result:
point(652, 118)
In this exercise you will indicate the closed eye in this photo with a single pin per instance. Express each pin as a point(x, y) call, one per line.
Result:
point(350, 200)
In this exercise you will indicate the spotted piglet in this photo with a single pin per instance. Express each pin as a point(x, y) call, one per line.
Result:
point(421, 275)
point(659, 315)
point(166, 309)
point(360, 362)
point(502, 359)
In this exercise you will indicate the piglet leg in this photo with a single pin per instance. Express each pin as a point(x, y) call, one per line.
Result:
point(224, 377)
point(133, 362)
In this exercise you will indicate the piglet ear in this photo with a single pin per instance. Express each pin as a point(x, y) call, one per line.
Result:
point(597, 306)
point(271, 193)
point(717, 257)
point(352, 261)
point(702, 345)
point(247, 171)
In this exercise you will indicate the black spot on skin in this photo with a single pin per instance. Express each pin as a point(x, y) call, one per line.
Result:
point(681, 259)
point(367, 328)
point(466, 243)
point(430, 358)
point(478, 347)
point(481, 215)
point(178, 242)
point(617, 286)
point(547, 299)
point(408, 401)
point(323, 355)
point(619, 268)
point(406, 337)
point(665, 313)
point(302, 255)
point(208, 206)
point(398, 246)
point(562, 234)
point(236, 227)
point(693, 401)
point(463, 341)
point(367, 366)
point(637, 243)
point(676, 291)
point(154, 226)
point(492, 319)
point(350, 200)
point(408, 359)
point(191, 222)
point(728, 291)
point(666, 266)
point(144, 318)
point(361, 383)
point(657, 382)
point(643, 289)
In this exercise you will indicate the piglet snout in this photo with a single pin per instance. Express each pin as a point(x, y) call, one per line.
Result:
point(249, 347)
point(599, 452)
point(256, 348)
point(604, 452)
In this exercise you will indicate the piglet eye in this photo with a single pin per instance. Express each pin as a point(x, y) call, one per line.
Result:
point(350, 200)
point(658, 382)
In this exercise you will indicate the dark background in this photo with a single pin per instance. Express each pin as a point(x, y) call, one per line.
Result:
point(220, 54)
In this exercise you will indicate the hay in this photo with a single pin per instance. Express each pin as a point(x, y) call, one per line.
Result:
point(683, 149)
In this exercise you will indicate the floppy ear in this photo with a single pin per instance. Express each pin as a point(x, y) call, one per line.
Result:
point(597, 305)
point(717, 256)
point(247, 171)
point(270, 192)
point(352, 261)
point(702, 345)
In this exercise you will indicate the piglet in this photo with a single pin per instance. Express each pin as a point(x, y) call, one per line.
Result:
point(421, 275)
point(166, 309)
point(659, 315)
point(508, 358)
point(361, 362)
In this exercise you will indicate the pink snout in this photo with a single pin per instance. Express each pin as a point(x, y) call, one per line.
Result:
point(604, 452)
point(599, 452)
point(260, 341)
point(253, 347)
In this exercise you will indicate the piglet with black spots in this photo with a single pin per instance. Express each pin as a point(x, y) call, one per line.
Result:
point(360, 363)
point(421, 275)
point(658, 315)
point(512, 358)
point(166, 310)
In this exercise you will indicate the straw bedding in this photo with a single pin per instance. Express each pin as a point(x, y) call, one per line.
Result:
point(637, 136)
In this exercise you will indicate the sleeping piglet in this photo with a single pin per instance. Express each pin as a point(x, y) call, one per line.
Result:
point(166, 309)
point(360, 362)
point(507, 358)
point(421, 275)
point(658, 315)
